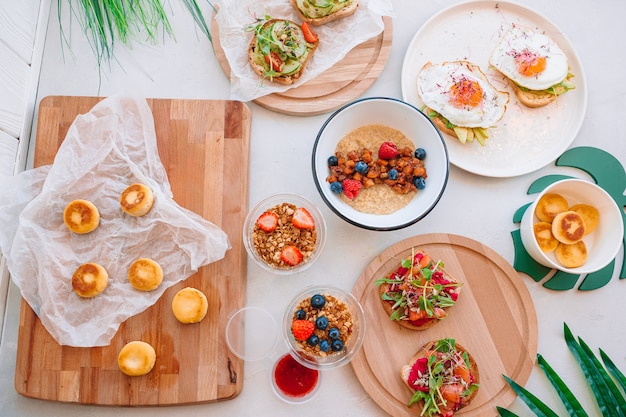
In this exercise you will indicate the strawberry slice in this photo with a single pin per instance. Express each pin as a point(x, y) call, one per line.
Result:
point(387, 150)
point(302, 219)
point(267, 221)
point(291, 255)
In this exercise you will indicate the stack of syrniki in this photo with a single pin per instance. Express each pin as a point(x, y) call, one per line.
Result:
point(561, 228)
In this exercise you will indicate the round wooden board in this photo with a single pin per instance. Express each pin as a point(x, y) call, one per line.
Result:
point(494, 319)
point(338, 85)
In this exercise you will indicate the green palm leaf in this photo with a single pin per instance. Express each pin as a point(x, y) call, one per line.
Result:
point(570, 402)
point(535, 404)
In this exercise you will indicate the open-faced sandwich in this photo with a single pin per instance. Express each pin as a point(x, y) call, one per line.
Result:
point(535, 66)
point(280, 49)
point(318, 12)
point(443, 377)
point(418, 294)
point(460, 100)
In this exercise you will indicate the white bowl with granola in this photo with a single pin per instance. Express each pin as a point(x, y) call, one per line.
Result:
point(324, 327)
point(379, 163)
point(284, 233)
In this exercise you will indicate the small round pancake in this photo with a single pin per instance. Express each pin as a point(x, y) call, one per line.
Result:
point(189, 305)
point(590, 215)
point(568, 227)
point(145, 274)
point(89, 280)
point(545, 239)
point(81, 216)
point(549, 205)
point(571, 256)
point(136, 358)
point(137, 200)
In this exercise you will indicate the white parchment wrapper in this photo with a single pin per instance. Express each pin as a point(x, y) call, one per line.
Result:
point(105, 150)
point(336, 40)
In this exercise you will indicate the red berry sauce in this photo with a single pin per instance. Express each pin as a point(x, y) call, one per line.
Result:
point(293, 379)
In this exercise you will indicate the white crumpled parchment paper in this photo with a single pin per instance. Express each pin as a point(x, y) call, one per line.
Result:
point(336, 40)
point(104, 151)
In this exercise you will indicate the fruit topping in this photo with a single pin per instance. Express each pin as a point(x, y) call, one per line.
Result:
point(333, 161)
point(337, 345)
point(321, 323)
point(351, 188)
point(392, 174)
point(420, 153)
point(267, 221)
point(387, 150)
point(302, 329)
point(336, 187)
point(291, 255)
point(420, 183)
point(301, 314)
point(302, 219)
point(333, 333)
point(324, 345)
point(318, 301)
point(313, 340)
point(360, 167)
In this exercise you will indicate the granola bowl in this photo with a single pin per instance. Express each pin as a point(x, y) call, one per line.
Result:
point(284, 233)
point(336, 330)
point(355, 134)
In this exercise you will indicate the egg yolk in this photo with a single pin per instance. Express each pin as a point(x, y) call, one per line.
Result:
point(529, 63)
point(466, 92)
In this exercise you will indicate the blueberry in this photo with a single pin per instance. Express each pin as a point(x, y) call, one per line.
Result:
point(333, 333)
point(337, 345)
point(361, 167)
point(420, 153)
point(336, 187)
point(392, 174)
point(333, 161)
point(318, 301)
point(419, 182)
point(300, 314)
point(313, 340)
point(324, 345)
point(321, 323)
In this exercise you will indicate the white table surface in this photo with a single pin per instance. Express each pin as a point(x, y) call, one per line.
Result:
point(477, 207)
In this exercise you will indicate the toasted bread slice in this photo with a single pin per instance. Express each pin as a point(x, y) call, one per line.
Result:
point(425, 352)
point(348, 10)
point(426, 322)
point(260, 67)
point(531, 98)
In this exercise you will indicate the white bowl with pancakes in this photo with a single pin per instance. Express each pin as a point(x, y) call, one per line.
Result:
point(574, 226)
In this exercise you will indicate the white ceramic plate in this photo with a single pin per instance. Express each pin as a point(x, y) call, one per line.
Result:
point(525, 139)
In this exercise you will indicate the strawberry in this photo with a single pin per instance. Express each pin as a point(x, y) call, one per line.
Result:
point(302, 219)
point(291, 255)
point(267, 221)
point(351, 188)
point(387, 150)
point(302, 329)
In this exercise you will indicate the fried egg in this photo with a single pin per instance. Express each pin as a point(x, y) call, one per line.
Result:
point(461, 93)
point(532, 60)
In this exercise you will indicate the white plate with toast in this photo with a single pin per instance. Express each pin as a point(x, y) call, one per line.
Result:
point(525, 139)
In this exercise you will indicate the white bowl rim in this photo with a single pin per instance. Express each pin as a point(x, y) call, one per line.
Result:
point(367, 226)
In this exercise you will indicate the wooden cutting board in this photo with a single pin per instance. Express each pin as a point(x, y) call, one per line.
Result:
point(345, 81)
point(204, 146)
point(494, 318)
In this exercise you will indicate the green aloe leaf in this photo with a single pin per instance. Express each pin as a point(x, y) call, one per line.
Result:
point(535, 404)
point(617, 374)
point(607, 403)
point(572, 405)
point(503, 412)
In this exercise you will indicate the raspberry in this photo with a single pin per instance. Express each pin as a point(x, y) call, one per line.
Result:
point(302, 329)
point(387, 150)
point(351, 188)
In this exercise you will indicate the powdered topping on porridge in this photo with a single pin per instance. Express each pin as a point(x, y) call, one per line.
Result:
point(285, 235)
point(321, 325)
point(376, 169)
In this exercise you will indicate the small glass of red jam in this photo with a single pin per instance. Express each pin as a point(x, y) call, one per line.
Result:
point(294, 382)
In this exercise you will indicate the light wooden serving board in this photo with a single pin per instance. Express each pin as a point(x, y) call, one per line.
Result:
point(204, 146)
point(344, 82)
point(494, 318)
